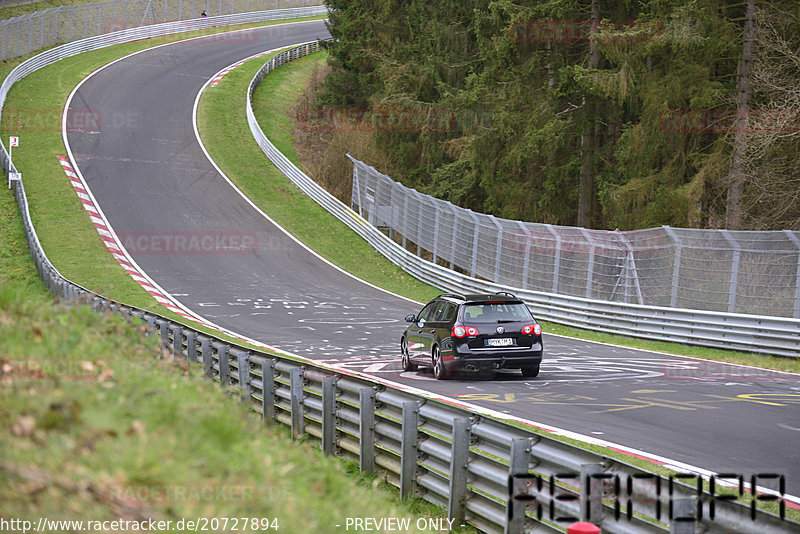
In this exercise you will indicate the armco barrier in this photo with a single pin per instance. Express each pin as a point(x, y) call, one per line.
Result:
point(492, 474)
point(763, 334)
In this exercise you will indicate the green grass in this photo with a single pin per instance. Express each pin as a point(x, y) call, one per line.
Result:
point(94, 426)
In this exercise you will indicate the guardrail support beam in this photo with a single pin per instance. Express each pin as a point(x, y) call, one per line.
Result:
point(296, 384)
point(459, 459)
point(267, 391)
point(591, 497)
point(683, 516)
point(408, 448)
point(366, 430)
point(518, 472)
point(329, 415)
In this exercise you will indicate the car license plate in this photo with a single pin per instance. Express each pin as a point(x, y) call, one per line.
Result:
point(500, 342)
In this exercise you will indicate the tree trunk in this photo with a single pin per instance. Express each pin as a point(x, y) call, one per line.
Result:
point(588, 140)
point(744, 94)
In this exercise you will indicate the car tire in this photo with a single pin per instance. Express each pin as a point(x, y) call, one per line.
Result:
point(530, 372)
point(406, 357)
point(439, 370)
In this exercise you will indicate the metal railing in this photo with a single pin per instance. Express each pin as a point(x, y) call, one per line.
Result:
point(494, 475)
point(27, 33)
point(714, 270)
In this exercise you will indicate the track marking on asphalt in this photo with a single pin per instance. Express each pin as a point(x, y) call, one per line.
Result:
point(632, 403)
point(751, 397)
point(658, 403)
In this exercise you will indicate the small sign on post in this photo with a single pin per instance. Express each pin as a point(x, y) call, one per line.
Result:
point(14, 176)
point(12, 142)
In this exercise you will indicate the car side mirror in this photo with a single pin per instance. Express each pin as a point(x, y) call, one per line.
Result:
point(411, 318)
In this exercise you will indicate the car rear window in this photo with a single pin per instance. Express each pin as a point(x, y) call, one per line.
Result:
point(493, 312)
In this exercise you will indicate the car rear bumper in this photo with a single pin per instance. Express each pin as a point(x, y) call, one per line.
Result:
point(465, 359)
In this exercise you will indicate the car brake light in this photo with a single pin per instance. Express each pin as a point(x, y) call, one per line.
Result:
point(534, 329)
point(461, 331)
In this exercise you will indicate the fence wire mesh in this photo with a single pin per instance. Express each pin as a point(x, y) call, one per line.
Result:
point(27, 33)
point(714, 270)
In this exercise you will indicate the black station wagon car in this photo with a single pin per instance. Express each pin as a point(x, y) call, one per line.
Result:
point(472, 333)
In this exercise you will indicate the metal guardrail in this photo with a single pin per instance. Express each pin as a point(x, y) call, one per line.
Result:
point(763, 334)
point(699, 269)
point(483, 471)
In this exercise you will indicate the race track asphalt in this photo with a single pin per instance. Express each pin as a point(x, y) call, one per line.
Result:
point(151, 178)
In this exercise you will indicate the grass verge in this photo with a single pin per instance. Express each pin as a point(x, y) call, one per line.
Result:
point(95, 427)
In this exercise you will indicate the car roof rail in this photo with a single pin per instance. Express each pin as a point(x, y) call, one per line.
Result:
point(454, 295)
point(512, 295)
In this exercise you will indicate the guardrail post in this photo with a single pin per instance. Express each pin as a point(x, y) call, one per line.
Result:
point(296, 384)
point(163, 327)
point(177, 341)
point(459, 458)
point(366, 430)
point(329, 414)
point(208, 357)
point(683, 516)
point(408, 448)
point(243, 362)
point(223, 357)
point(267, 391)
point(591, 496)
point(191, 347)
point(517, 471)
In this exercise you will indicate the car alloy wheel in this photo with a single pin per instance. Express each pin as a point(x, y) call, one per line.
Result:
point(439, 370)
point(406, 357)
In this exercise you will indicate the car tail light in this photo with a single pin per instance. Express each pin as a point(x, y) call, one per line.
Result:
point(462, 331)
point(534, 329)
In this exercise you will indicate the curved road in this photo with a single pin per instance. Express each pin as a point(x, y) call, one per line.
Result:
point(151, 178)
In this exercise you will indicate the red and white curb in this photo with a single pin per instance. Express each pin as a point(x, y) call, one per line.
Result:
point(118, 252)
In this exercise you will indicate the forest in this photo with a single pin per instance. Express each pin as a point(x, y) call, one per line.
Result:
point(601, 114)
